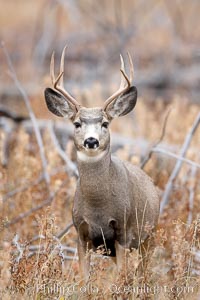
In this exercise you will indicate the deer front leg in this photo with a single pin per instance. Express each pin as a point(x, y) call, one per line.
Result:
point(84, 259)
point(84, 245)
point(121, 257)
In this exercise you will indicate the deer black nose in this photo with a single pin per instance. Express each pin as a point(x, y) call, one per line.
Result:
point(91, 143)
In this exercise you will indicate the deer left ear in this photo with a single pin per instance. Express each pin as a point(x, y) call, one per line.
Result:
point(58, 105)
point(123, 104)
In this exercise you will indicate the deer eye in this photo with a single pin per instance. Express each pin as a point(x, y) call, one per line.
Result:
point(77, 125)
point(105, 124)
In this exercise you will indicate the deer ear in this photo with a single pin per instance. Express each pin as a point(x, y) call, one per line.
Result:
point(123, 104)
point(58, 105)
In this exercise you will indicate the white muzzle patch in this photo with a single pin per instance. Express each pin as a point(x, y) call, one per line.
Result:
point(91, 132)
point(88, 157)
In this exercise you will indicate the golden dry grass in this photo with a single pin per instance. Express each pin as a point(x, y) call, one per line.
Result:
point(34, 264)
point(174, 266)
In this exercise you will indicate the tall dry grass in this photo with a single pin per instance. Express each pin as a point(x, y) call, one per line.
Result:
point(35, 264)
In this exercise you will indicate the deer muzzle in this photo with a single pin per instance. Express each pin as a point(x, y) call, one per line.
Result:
point(91, 143)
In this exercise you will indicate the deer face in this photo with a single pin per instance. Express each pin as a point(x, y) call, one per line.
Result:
point(91, 125)
point(91, 133)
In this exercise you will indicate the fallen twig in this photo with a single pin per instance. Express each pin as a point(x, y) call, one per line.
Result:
point(37, 237)
point(42, 247)
point(67, 257)
point(165, 198)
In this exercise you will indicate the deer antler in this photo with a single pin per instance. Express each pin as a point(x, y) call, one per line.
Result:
point(58, 82)
point(125, 81)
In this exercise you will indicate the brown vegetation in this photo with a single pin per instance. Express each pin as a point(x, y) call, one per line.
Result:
point(38, 261)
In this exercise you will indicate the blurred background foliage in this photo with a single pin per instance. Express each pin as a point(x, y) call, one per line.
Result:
point(162, 37)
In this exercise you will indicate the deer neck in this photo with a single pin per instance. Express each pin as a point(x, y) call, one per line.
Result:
point(94, 176)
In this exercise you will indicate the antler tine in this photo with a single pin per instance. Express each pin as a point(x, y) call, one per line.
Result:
point(122, 68)
point(58, 82)
point(52, 69)
point(131, 67)
point(53, 79)
point(128, 80)
point(125, 81)
point(62, 65)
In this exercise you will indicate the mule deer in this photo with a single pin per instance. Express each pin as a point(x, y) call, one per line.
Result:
point(115, 201)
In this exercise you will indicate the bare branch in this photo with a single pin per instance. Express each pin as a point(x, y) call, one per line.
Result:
point(67, 257)
point(175, 172)
point(30, 211)
point(48, 201)
point(4, 112)
point(28, 185)
point(5, 144)
point(148, 156)
point(37, 237)
point(23, 188)
point(30, 111)
point(65, 230)
point(16, 243)
point(69, 164)
point(191, 196)
point(171, 154)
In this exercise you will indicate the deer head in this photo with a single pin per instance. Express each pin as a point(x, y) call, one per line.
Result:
point(91, 132)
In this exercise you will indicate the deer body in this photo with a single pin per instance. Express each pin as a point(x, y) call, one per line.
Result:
point(112, 198)
point(115, 204)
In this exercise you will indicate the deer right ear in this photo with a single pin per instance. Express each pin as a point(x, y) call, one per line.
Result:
point(58, 104)
point(123, 104)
